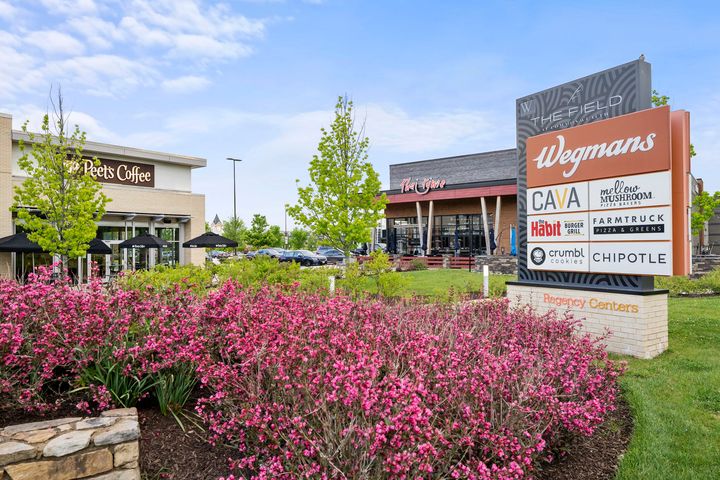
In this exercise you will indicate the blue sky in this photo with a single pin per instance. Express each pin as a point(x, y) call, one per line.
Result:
point(257, 79)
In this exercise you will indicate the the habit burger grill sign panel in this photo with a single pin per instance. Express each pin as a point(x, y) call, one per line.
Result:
point(599, 197)
point(121, 173)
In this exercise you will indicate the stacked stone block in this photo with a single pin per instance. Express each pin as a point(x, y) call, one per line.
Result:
point(96, 448)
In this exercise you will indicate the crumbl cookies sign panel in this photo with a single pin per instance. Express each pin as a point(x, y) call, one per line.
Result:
point(626, 145)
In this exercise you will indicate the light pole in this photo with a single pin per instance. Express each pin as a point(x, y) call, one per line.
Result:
point(234, 160)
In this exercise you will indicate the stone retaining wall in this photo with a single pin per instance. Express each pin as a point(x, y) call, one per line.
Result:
point(96, 448)
point(705, 263)
point(502, 264)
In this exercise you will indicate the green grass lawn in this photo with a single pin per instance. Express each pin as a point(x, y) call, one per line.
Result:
point(444, 285)
point(675, 399)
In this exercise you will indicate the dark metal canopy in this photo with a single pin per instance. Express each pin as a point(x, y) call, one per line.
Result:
point(145, 241)
point(19, 243)
point(210, 240)
point(98, 247)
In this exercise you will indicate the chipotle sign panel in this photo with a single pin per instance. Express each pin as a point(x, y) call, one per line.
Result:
point(629, 144)
point(121, 173)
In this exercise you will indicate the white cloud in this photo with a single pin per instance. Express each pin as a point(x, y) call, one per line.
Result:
point(34, 114)
point(186, 84)
point(70, 7)
point(396, 130)
point(102, 75)
point(99, 33)
point(55, 43)
point(7, 10)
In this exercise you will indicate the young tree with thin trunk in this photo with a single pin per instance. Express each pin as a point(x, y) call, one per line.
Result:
point(343, 202)
point(58, 203)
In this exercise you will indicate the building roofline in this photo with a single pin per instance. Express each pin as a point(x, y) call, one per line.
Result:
point(454, 156)
point(130, 152)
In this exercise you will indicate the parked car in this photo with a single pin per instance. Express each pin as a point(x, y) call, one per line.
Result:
point(333, 255)
point(303, 257)
point(361, 251)
point(270, 252)
point(324, 248)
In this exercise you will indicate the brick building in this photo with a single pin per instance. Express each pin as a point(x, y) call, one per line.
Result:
point(460, 202)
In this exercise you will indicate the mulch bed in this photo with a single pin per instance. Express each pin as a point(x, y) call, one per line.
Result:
point(596, 457)
point(168, 452)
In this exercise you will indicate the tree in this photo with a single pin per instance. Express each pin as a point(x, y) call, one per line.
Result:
point(298, 239)
point(343, 201)
point(704, 208)
point(261, 234)
point(67, 200)
point(274, 237)
point(235, 229)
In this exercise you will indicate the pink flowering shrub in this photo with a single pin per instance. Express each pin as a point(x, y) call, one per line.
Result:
point(313, 388)
point(308, 386)
point(50, 332)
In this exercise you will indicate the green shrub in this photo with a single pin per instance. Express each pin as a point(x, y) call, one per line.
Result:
point(352, 282)
point(391, 284)
point(192, 277)
point(416, 264)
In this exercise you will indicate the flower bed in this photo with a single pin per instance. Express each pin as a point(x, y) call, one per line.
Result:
point(309, 386)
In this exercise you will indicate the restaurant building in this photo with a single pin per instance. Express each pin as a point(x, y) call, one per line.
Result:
point(453, 205)
point(149, 192)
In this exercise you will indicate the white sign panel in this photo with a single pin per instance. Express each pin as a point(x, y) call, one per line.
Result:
point(653, 223)
point(570, 197)
point(647, 190)
point(638, 258)
point(570, 257)
point(566, 227)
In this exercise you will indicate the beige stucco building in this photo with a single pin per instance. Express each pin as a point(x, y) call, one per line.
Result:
point(150, 192)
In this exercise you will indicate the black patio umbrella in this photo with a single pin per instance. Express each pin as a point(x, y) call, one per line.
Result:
point(144, 241)
point(98, 247)
point(210, 240)
point(19, 243)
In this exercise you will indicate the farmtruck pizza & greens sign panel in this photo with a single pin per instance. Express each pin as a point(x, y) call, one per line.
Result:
point(599, 197)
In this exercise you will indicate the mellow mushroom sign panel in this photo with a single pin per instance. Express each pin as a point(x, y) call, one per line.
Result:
point(600, 197)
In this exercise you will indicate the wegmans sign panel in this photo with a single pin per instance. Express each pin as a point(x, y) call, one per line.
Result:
point(599, 197)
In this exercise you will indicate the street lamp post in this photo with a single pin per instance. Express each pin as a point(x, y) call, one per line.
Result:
point(234, 160)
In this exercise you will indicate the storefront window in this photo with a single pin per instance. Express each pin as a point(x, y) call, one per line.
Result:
point(458, 235)
point(169, 255)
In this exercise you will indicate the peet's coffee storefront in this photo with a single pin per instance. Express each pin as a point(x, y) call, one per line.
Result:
point(453, 205)
point(150, 192)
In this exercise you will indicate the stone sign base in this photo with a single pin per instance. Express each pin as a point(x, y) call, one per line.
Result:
point(638, 323)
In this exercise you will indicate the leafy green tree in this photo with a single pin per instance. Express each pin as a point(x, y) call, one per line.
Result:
point(235, 229)
point(704, 206)
point(298, 239)
point(68, 200)
point(343, 201)
point(261, 234)
point(274, 237)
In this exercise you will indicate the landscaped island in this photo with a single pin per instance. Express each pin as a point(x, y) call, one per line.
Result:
point(312, 384)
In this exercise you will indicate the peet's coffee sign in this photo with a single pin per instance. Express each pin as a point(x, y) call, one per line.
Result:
point(421, 187)
point(121, 173)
